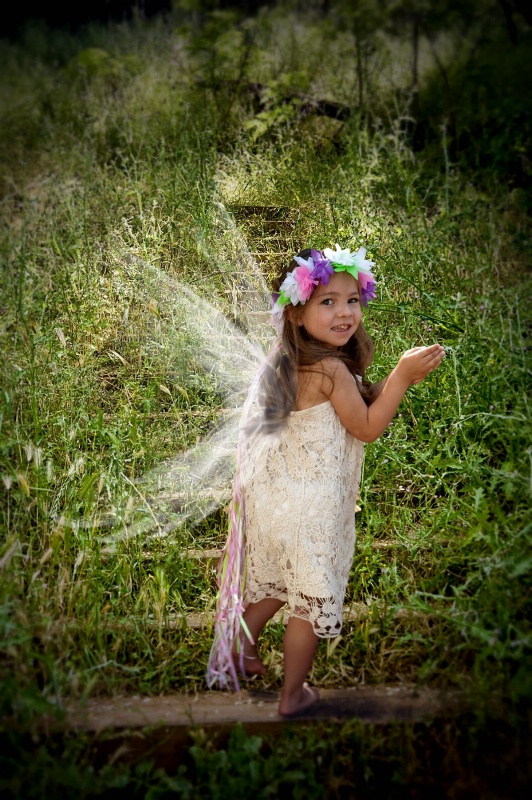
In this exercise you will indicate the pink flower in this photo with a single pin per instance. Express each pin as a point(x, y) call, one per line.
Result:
point(367, 287)
point(365, 278)
point(303, 276)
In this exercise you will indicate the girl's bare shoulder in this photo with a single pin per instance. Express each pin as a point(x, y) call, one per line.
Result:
point(317, 382)
point(334, 370)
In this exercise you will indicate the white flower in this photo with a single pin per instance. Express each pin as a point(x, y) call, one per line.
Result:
point(349, 259)
point(305, 262)
point(361, 261)
point(290, 287)
point(277, 317)
point(339, 256)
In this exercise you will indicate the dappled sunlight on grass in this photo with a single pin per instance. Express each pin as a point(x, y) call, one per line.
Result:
point(127, 180)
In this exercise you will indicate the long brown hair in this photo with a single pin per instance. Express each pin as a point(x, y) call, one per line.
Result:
point(299, 353)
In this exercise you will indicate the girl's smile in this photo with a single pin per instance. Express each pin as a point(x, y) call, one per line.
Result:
point(333, 312)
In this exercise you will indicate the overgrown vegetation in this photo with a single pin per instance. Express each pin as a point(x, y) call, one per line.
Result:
point(463, 758)
point(118, 146)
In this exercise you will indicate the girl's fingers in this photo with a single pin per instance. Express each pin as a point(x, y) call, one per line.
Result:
point(430, 359)
point(423, 361)
point(435, 351)
point(435, 355)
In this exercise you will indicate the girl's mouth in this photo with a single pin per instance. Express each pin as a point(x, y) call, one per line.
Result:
point(341, 328)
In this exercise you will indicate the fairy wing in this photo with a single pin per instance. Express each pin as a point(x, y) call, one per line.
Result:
point(186, 332)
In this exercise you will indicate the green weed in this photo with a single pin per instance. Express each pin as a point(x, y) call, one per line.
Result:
point(118, 149)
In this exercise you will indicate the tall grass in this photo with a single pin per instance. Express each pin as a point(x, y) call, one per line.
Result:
point(120, 148)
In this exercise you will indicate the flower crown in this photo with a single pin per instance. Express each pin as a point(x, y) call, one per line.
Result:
point(299, 284)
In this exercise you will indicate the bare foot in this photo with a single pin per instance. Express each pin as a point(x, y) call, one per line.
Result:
point(297, 704)
point(252, 664)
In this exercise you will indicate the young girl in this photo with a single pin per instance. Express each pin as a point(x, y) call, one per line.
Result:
point(292, 533)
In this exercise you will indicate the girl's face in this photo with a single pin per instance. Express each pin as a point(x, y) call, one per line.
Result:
point(333, 312)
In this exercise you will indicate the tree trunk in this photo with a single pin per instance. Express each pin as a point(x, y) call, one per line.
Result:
point(511, 27)
point(415, 67)
point(360, 71)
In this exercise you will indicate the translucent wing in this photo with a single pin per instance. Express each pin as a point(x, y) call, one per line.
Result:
point(189, 333)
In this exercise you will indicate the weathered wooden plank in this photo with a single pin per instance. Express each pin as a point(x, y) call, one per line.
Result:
point(373, 704)
point(214, 553)
point(197, 620)
point(352, 613)
point(202, 619)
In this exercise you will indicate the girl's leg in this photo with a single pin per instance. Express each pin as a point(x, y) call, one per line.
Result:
point(300, 644)
point(256, 616)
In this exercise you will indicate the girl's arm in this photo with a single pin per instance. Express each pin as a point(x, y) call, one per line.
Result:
point(376, 389)
point(368, 422)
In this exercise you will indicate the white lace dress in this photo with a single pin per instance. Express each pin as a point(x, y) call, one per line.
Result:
point(300, 487)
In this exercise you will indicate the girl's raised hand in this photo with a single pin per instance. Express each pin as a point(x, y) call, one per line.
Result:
point(418, 362)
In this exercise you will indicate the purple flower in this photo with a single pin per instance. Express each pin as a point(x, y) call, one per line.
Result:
point(368, 293)
point(322, 267)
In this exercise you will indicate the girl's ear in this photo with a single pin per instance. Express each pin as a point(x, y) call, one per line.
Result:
point(289, 313)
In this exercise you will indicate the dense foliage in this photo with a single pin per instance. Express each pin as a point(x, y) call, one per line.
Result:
point(194, 145)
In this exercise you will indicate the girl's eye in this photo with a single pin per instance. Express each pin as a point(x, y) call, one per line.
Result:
point(328, 301)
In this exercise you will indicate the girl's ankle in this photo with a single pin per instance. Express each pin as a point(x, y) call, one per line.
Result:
point(297, 701)
point(249, 663)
